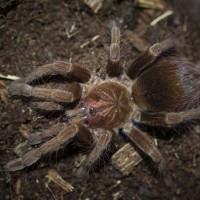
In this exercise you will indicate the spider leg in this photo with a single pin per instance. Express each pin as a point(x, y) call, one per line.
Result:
point(102, 142)
point(146, 144)
point(166, 119)
point(59, 68)
point(48, 105)
point(84, 135)
point(66, 93)
point(113, 66)
point(38, 137)
point(145, 59)
point(54, 144)
point(45, 105)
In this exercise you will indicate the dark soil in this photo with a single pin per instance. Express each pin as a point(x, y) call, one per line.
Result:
point(36, 32)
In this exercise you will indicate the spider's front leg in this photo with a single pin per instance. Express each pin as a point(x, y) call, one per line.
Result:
point(102, 140)
point(55, 95)
point(66, 93)
point(64, 136)
point(59, 68)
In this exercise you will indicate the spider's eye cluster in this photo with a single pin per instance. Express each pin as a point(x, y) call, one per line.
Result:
point(92, 111)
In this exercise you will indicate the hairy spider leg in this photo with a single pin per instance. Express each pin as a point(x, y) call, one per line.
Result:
point(49, 106)
point(54, 144)
point(103, 139)
point(113, 66)
point(65, 93)
point(43, 93)
point(145, 59)
point(166, 119)
point(146, 144)
point(38, 137)
point(46, 105)
point(84, 135)
point(60, 68)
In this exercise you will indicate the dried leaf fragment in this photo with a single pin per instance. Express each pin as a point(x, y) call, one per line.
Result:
point(57, 179)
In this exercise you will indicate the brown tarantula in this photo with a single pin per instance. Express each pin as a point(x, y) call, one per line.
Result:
point(159, 89)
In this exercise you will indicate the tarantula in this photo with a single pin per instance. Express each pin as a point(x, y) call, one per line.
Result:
point(159, 89)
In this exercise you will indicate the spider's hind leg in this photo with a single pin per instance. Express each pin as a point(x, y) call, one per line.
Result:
point(166, 119)
point(145, 59)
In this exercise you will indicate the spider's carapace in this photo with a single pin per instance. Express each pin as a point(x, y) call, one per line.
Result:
point(108, 105)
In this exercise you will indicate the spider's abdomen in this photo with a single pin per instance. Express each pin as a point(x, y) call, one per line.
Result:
point(168, 85)
point(108, 105)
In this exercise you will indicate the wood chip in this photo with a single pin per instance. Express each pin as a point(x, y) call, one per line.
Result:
point(18, 185)
point(2, 84)
point(95, 5)
point(3, 91)
point(153, 4)
point(25, 130)
point(125, 159)
point(21, 149)
point(57, 179)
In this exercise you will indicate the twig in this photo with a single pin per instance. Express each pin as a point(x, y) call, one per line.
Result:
point(90, 41)
point(47, 186)
point(161, 17)
point(9, 77)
